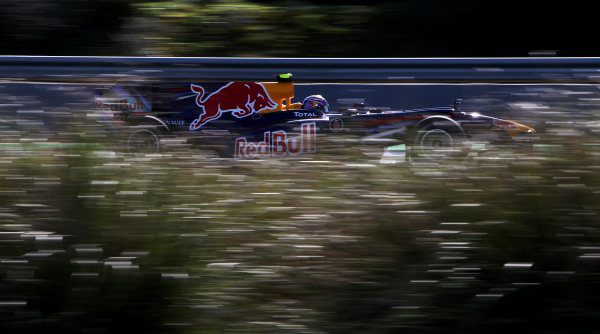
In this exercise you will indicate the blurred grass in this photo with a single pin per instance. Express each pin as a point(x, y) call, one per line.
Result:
point(315, 244)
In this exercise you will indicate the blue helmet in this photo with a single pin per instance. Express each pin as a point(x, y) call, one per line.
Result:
point(316, 103)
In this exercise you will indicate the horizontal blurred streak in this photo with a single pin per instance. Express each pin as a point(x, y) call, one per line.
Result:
point(54, 69)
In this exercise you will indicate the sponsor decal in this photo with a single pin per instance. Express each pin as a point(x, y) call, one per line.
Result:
point(174, 121)
point(123, 105)
point(304, 114)
point(241, 99)
point(278, 144)
point(336, 124)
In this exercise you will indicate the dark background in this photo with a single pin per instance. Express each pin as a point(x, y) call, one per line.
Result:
point(409, 28)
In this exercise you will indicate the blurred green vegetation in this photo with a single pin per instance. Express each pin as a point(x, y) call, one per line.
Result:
point(245, 28)
point(181, 242)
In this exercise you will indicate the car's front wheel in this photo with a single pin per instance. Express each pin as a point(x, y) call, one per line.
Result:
point(438, 142)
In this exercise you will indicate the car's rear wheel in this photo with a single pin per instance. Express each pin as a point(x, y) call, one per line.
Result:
point(144, 141)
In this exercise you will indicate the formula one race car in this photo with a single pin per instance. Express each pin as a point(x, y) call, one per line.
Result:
point(251, 120)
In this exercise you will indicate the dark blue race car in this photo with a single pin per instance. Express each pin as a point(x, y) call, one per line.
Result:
point(252, 120)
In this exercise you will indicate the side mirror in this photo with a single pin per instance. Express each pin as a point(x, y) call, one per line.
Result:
point(457, 104)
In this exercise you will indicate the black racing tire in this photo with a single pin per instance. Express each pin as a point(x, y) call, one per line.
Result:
point(144, 140)
point(438, 142)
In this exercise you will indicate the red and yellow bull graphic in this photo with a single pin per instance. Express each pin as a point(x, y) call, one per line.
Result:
point(242, 99)
point(278, 144)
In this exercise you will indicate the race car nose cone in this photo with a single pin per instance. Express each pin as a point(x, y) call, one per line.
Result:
point(513, 128)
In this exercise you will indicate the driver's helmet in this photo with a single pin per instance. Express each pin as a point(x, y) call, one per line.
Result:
point(315, 102)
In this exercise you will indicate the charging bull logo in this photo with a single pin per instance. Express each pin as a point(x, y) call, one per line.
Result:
point(242, 99)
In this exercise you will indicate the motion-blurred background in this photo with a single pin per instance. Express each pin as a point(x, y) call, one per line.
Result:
point(355, 28)
point(93, 240)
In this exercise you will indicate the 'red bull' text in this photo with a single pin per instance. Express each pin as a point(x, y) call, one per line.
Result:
point(278, 144)
point(119, 104)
